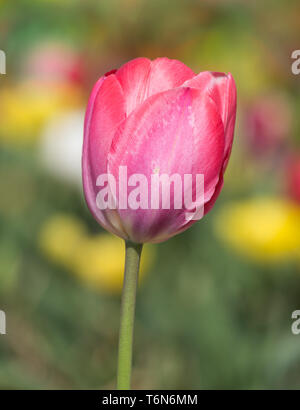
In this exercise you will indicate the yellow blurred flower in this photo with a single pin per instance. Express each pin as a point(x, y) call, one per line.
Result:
point(265, 229)
point(60, 239)
point(97, 260)
point(25, 108)
point(100, 262)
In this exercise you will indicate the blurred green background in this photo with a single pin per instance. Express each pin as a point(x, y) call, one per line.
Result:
point(214, 304)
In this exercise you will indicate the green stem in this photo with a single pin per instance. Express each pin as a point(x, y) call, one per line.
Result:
point(132, 263)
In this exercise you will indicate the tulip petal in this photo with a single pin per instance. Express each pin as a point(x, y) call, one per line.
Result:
point(178, 131)
point(104, 113)
point(207, 207)
point(167, 74)
point(140, 78)
point(133, 77)
point(222, 89)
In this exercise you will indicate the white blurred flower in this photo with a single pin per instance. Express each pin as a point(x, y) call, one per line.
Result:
point(61, 145)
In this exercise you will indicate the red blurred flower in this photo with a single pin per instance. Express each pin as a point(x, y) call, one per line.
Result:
point(55, 63)
point(293, 177)
point(267, 123)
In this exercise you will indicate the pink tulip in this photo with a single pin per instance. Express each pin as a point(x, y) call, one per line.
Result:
point(157, 117)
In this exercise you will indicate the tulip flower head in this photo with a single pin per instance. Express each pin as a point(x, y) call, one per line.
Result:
point(157, 140)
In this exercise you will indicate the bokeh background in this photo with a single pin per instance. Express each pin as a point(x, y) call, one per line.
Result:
point(214, 304)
